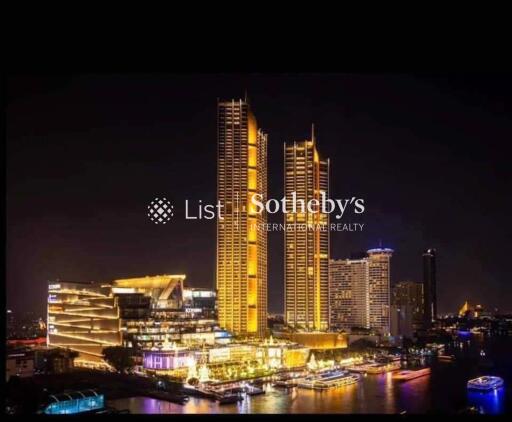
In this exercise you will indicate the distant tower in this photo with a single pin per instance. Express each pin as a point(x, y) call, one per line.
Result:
point(429, 286)
point(379, 275)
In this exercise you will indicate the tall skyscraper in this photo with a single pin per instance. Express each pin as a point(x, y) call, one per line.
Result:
point(429, 286)
point(306, 251)
point(241, 246)
point(348, 294)
point(379, 288)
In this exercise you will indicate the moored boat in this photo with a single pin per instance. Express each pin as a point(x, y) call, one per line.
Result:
point(229, 398)
point(485, 383)
point(382, 368)
point(330, 379)
point(410, 374)
point(285, 383)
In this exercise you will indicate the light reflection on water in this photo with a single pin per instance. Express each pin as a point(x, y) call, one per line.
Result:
point(444, 390)
point(373, 394)
point(491, 402)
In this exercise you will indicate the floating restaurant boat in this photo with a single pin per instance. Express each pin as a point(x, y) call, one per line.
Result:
point(328, 379)
point(409, 374)
point(381, 368)
point(361, 369)
point(485, 383)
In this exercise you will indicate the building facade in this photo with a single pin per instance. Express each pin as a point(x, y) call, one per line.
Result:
point(379, 276)
point(200, 301)
point(359, 291)
point(142, 313)
point(429, 286)
point(406, 308)
point(349, 294)
point(306, 252)
point(241, 245)
point(157, 309)
point(83, 317)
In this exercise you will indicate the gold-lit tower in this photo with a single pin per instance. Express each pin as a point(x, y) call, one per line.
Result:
point(241, 237)
point(306, 251)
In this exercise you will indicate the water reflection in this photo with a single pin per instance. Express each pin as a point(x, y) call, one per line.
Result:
point(442, 391)
point(492, 402)
point(373, 394)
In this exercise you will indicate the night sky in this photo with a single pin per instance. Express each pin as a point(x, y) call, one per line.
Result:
point(87, 154)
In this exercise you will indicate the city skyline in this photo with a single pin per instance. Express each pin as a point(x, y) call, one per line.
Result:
point(57, 233)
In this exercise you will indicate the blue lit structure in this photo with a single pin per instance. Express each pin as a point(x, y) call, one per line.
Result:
point(75, 402)
point(380, 250)
point(486, 383)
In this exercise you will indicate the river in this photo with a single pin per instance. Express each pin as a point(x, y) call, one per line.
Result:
point(444, 390)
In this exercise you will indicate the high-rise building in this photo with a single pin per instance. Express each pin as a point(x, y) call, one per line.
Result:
point(409, 293)
point(379, 288)
point(429, 286)
point(348, 294)
point(306, 251)
point(241, 239)
point(360, 293)
point(406, 308)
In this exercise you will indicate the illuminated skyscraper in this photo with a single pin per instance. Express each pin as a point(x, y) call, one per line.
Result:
point(379, 288)
point(241, 245)
point(429, 286)
point(306, 251)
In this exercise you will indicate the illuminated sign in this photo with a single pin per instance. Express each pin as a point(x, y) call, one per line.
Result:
point(166, 360)
point(123, 290)
point(203, 294)
point(192, 310)
point(53, 286)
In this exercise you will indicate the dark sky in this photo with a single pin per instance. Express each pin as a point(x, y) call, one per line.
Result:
point(86, 154)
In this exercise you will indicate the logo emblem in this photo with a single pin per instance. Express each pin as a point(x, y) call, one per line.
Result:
point(160, 210)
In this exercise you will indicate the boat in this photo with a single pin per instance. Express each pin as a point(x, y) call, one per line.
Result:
point(290, 383)
point(329, 379)
point(410, 374)
point(485, 383)
point(361, 369)
point(229, 398)
point(254, 391)
point(382, 368)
